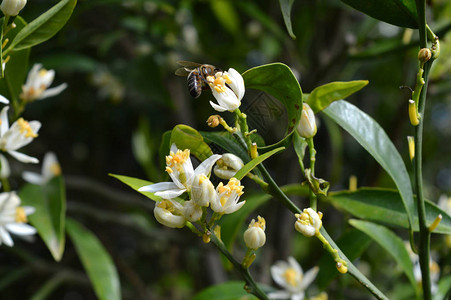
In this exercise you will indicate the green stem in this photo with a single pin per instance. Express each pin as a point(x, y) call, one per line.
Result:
point(312, 152)
point(241, 120)
point(425, 237)
point(251, 286)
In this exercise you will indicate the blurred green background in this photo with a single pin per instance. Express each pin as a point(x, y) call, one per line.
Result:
point(119, 58)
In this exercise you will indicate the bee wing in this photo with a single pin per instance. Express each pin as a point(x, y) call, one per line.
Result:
point(182, 72)
point(191, 64)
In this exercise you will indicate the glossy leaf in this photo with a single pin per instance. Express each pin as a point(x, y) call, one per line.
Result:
point(279, 81)
point(16, 69)
point(391, 243)
point(385, 205)
point(299, 144)
point(373, 138)
point(228, 142)
point(402, 13)
point(322, 96)
point(232, 224)
point(97, 262)
point(353, 243)
point(186, 137)
point(43, 27)
point(50, 215)
point(136, 183)
point(231, 290)
point(255, 162)
point(285, 6)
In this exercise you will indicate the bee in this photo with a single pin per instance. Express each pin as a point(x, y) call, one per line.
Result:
point(197, 76)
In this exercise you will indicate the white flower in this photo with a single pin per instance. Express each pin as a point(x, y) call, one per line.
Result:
point(202, 190)
point(5, 170)
point(192, 211)
point(12, 7)
point(227, 166)
point(307, 125)
point(255, 236)
point(169, 213)
point(228, 96)
point(182, 173)
point(290, 276)
point(2, 98)
point(38, 81)
point(308, 223)
point(13, 218)
point(50, 168)
point(21, 133)
point(226, 200)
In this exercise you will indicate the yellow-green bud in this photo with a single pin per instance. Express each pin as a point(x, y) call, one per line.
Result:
point(213, 121)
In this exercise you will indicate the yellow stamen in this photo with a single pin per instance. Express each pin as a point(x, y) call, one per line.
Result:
point(24, 127)
point(435, 223)
point(21, 216)
point(55, 169)
point(290, 275)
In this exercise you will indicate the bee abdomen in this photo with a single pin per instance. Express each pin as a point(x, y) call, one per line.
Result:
point(194, 84)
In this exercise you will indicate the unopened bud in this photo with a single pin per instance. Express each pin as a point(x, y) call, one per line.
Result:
point(12, 7)
point(206, 237)
point(255, 236)
point(341, 268)
point(308, 223)
point(254, 151)
point(227, 166)
point(213, 121)
point(307, 124)
point(424, 55)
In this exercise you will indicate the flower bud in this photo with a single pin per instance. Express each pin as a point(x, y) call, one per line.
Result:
point(227, 166)
point(192, 211)
point(202, 190)
point(213, 121)
point(255, 236)
point(169, 213)
point(307, 124)
point(12, 7)
point(308, 223)
point(424, 55)
point(341, 268)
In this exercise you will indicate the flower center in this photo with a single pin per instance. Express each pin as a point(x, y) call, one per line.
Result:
point(167, 205)
point(25, 128)
point(218, 82)
point(290, 276)
point(176, 160)
point(259, 223)
point(55, 169)
point(21, 216)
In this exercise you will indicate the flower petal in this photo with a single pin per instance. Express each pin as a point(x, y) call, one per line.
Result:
point(237, 84)
point(4, 125)
point(217, 107)
point(23, 157)
point(206, 165)
point(4, 100)
point(308, 278)
point(53, 91)
point(33, 178)
point(169, 194)
point(157, 187)
point(6, 237)
point(20, 228)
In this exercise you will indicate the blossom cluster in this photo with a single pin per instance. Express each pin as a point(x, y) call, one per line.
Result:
point(174, 212)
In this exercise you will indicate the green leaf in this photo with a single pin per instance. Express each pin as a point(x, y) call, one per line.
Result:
point(226, 141)
point(97, 262)
point(353, 243)
point(373, 138)
point(401, 13)
point(226, 15)
point(444, 288)
point(391, 243)
point(16, 68)
point(285, 6)
point(385, 205)
point(322, 96)
point(50, 215)
point(165, 146)
point(232, 224)
point(136, 183)
point(43, 27)
point(186, 137)
point(279, 81)
point(299, 144)
point(231, 290)
point(255, 162)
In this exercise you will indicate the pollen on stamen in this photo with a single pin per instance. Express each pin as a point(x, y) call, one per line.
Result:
point(25, 127)
point(21, 216)
point(169, 170)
